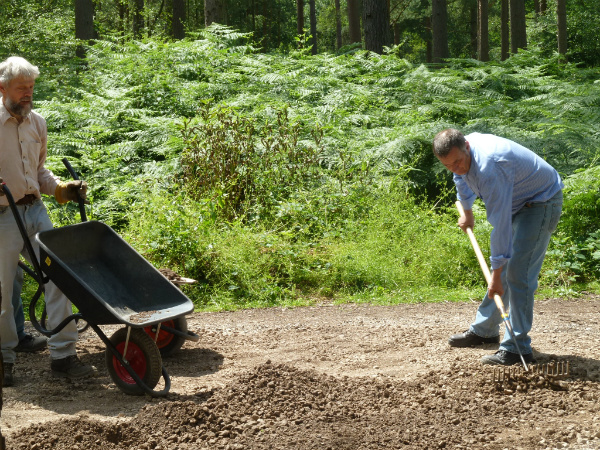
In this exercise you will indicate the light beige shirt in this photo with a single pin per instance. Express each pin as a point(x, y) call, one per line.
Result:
point(23, 153)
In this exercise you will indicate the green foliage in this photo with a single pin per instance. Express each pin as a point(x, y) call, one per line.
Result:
point(244, 167)
point(257, 221)
point(581, 209)
point(575, 251)
point(42, 32)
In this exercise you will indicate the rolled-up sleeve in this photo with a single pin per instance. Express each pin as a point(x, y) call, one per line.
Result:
point(464, 193)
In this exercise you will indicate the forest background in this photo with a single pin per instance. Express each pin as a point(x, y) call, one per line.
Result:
point(280, 155)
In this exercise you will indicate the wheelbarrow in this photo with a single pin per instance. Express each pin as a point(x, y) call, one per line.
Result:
point(170, 335)
point(109, 283)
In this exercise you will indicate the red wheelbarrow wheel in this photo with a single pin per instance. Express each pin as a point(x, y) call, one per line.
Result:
point(168, 343)
point(143, 357)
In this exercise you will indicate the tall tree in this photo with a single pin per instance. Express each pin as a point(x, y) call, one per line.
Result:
point(138, 18)
point(376, 24)
point(561, 15)
point(439, 27)
point(518, 32)
point(300, 16)
point(504, 30)
point(214, 12)
point(473, 27)
point(123, 13)
point(428, 39)
point(338, 25)
point(84, 23)
point(177, 26)
point(354, 21)
point(483, 43)
point(313, 25)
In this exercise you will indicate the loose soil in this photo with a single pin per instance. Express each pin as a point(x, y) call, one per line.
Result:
point(325, 377)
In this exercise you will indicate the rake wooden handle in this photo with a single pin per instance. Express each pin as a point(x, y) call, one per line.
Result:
point(488, 278)
point(482, 262)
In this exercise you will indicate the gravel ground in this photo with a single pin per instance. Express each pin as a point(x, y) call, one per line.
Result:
point(325, 377)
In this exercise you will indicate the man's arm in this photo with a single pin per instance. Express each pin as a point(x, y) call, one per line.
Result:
point(467, 220)
point(495, 285)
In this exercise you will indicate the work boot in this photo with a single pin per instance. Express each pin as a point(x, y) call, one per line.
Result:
point(504, 358)
point(8, 379)
point(71, 367)
point(470, 339)
point(30, 344)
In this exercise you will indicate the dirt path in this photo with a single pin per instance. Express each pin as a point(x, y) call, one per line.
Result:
point(327, 377)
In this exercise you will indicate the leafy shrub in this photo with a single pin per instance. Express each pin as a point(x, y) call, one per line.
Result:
point(575, 251)
point(581, 209)
point(242, 166)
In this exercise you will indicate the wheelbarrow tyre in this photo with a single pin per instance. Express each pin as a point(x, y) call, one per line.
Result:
point(168, 343)
point(142, 355)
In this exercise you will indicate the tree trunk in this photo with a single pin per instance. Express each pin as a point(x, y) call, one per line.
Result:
point(561, 15)
point(504, 30)
point(177, 29)
point(473, 29)
point(376, 23)
point(429, 45)
point(123, 13)
point(397, 33)
point(483, 42)
point(138, 18)
point(439, 26)
point(214, 12)
point(313, 25)
point(518, 32)
point(84, 24)
point(338, 25)
point(300, 16)
point(354, 21)
point(543, 6)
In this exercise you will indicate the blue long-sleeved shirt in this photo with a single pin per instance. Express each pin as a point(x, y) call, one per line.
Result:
point(505, 175)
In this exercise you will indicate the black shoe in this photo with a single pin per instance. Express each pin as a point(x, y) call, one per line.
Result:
point(470, 339)
point(504, 358)
point(8, 379)
point(30, 344)
point(71, 367)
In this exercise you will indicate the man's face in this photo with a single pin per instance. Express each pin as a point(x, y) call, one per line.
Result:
point(457, 161)
point(17, 96)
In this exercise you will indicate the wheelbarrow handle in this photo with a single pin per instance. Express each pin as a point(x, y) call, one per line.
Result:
point(79, 199)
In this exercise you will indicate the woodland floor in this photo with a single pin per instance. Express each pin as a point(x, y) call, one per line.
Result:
point(325, 377)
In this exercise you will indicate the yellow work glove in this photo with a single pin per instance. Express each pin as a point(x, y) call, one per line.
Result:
point(68, 191)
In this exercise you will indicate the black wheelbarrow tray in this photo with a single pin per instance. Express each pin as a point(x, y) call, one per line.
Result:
point(110, 283)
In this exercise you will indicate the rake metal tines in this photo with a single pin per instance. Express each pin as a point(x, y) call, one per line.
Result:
point(553, 370)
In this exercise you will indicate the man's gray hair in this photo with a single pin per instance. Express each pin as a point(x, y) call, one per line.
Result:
point(17, 67)
point(446, 140)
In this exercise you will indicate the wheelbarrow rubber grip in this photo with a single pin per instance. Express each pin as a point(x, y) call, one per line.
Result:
point(79, 199)
point(488, 277)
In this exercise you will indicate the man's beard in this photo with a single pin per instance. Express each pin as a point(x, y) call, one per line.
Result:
point(17, 109)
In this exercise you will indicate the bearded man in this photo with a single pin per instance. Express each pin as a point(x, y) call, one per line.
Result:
point(23, 151)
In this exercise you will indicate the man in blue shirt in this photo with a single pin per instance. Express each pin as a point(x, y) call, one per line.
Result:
point(523, 200)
